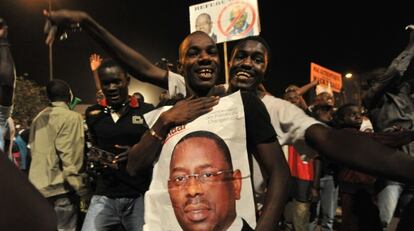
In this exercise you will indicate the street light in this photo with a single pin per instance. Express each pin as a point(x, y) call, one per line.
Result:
point(348, 75)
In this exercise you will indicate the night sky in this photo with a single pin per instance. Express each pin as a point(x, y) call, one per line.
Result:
point(344, 38)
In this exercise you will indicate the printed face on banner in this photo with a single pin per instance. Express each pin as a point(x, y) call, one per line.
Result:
point(197, 180)
point(203, 23)
point(203, 187)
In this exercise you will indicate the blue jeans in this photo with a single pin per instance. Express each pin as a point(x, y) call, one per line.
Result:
point(388, 200)
point(105, 213)
point(66, 210)
point(326, 206)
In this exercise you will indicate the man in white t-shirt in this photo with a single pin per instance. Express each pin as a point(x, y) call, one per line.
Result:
point(248, 66)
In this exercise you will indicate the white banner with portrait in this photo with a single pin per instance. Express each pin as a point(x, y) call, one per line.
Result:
point(226, 20)
point(194, 174)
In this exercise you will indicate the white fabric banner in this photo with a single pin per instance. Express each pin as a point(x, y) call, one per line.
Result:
point(227, 121)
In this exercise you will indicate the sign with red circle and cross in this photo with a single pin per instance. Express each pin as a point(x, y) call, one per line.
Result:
point(226, 20)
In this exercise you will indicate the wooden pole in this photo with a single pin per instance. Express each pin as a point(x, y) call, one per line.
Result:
point(50, 51)
point(226, 71)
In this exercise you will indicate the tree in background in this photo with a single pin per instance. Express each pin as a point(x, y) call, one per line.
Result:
point(29, 99)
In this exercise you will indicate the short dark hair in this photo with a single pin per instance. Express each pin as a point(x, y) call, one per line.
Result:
point(211, 136)
point(339, 115)
point(141, 96)
point(256, 39)
point(58, 90)
point(181, 54)
point(108, 63)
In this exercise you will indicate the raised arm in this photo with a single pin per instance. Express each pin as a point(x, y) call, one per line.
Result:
point(95, 61)
point(361, 152)
point(305, 88)
point(132, 61)
point(396, 69)
point(7, 72)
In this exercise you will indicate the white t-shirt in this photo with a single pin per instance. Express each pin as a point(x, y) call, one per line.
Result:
point(290, 123)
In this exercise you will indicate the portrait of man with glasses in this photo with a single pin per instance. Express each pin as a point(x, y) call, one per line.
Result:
point(203, 186)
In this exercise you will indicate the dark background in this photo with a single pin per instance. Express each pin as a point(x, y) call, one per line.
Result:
point(342, 37)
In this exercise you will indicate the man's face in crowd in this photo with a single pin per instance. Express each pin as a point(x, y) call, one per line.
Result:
point(325, 98)
point(324, 114)
point(202, 206)
point(114, 85)
point(353, 117)
point(204, 24)
point(199, 62)
point(248, 65)
point(293, 97)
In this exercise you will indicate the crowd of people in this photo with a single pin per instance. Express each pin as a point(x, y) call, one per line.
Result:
point(305, 156)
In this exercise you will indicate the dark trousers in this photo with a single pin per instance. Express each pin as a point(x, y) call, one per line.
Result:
point(359, 212)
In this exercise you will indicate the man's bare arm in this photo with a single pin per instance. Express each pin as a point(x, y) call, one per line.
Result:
point(7, 72)
point(270, 156)
point(133, 62)
point(361, 153)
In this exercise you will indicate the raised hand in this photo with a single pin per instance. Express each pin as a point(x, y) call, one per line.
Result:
point(95, 61)
point(3, 28)
point(60, 21)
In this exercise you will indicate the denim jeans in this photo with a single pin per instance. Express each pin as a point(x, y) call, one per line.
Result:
point(106, 213)
point(388, 200)
point(326, 207)
point(66, 210)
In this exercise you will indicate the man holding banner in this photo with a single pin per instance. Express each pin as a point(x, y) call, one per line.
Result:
point(248, 67)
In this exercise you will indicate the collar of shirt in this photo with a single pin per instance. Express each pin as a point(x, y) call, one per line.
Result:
point(133, 102)
point(115, 115)
point(60, 104)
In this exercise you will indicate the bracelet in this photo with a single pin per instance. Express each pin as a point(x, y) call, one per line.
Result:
point(154, 134)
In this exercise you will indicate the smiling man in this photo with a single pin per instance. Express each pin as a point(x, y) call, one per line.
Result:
point(248, 66)
point(117, 120)
point(207, 202)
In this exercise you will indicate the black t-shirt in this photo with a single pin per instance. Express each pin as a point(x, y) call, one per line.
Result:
point(106, 134)
point(259, 128)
